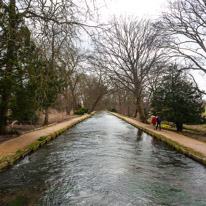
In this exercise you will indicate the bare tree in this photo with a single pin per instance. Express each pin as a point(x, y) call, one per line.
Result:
point(39, 17)
point(92, 88)
point(123, 102)
point(130, 49)
point(185, 23)
point(51, 44)
point(70, 65)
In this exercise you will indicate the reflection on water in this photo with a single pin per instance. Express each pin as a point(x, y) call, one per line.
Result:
point(139, 135)
point(104, 161)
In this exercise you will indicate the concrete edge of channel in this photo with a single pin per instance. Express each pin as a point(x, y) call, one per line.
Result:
point(197, 156)
point(11, 159)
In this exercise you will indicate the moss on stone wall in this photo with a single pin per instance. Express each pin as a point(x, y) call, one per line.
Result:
point(9, 160)
point(201, 158)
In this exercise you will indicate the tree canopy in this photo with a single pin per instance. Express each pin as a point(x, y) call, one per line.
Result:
point(177, 100)
point(47, 60)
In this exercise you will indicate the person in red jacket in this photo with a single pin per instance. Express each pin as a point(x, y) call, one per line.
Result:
point(154, 121)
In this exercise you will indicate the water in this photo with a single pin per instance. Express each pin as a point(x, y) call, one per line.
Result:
point(104, 161)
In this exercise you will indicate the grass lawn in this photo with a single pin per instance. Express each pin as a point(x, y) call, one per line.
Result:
point(197, 132)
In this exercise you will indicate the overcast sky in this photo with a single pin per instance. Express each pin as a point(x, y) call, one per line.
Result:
point(142, 8)
point(136, 7)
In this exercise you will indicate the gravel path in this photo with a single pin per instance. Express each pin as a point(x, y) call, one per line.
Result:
point(13, 145)
point(182, 140)
point(19, 143)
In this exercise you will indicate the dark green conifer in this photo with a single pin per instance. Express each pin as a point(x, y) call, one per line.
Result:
point(177, 100)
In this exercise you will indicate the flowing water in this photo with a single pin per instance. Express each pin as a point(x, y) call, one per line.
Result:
point(104, 161)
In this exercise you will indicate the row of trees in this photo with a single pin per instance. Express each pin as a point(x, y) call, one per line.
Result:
point(148, 61)
point(40, 58)
point(130, 51)
point(129, 66)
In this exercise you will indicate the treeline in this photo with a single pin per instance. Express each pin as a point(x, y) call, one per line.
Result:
point(41, 60)
point(136, 67)
point(148, 63)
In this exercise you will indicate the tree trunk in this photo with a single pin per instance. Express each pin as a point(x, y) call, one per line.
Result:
point(128, 111)
point(120, 104)
point(91, 109)
point(74, 100)
point(141, 112)
point(136, 111)
point(67, 110)
point(66, 96)
point(179, 126)
point(3, 114)
point(46, 117)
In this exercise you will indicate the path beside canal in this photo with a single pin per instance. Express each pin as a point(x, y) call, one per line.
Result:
point(21, 142)
point(104, 161)
point(191, 147)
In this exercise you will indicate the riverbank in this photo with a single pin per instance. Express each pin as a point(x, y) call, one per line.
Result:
point(14, 149)
point(18, 128)
point(104, 161)
point(186, 145)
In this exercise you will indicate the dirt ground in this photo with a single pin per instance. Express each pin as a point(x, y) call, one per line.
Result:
point(54, 117)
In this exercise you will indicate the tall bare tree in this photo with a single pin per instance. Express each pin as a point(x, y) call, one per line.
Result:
point(92, 88)
point(185, 23)
point(130, 49)
point(70, 65)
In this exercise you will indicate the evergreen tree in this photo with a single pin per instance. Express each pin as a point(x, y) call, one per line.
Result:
point(23, 100)
point(19, 64)
point(49, 85)
point(177, 100)
point(11, 24)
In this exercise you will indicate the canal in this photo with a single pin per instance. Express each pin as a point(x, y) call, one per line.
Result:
point(104, 161)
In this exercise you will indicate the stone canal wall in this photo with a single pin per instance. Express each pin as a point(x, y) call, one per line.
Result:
point(186, 145)
point(16, 149)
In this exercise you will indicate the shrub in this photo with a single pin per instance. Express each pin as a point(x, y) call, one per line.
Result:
point(113, 110)
point(81, 111)
point(14, 131)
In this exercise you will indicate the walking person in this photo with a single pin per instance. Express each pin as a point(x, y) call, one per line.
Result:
point(154, 121)
point(158, 122)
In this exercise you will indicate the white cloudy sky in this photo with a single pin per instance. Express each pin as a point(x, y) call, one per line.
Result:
point(142, 8)
point(135, 7)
